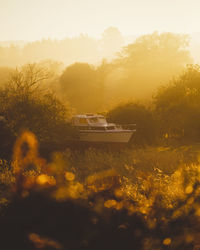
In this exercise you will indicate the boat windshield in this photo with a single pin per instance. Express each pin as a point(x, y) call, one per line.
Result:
point(102, 120)
point(97, 120)
point(83, 121)
point(93, 120)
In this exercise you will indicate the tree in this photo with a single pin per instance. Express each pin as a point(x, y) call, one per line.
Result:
point(135, 113)
point(149, 61)
point(112, 41)
point(81, 86)
point(26, 105)
point(5, 73)
point(177, 106)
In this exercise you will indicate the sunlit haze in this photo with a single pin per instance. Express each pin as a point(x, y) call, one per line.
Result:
point(37, 19)
point(108, 50)
point(99, 124)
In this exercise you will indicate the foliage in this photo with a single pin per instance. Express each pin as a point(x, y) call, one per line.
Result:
point(138, 70)
point(81, 86)
point(106, 209)
point(112, 41)
point(149, 61)
point(27, 106)
point(135, 113)
point(177, 106)
point(68, 50)
point(5, 75)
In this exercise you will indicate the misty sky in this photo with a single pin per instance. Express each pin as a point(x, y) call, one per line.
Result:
point(37, 19)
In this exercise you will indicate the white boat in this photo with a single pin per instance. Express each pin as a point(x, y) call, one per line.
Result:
point(95, 128)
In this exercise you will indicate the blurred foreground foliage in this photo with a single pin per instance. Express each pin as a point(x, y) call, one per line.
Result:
point(136, 199)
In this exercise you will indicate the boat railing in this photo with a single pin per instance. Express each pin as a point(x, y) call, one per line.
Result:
point(127, 126)
point(109, 127)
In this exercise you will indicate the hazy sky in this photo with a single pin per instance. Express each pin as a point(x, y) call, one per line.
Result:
point(37, 19)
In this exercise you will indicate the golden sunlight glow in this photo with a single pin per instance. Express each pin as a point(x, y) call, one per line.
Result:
point(167, 241)
point(45, 180)
point(69, 176)
point(36, 19)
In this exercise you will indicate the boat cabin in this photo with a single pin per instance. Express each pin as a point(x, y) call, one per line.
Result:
point(92, 122)
point(95, 129)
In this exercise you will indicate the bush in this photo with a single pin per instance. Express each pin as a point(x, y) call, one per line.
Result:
point(28, 106)
point(135, 113)
point(177, 107)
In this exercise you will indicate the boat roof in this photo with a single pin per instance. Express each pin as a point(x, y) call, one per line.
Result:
point(89, 116)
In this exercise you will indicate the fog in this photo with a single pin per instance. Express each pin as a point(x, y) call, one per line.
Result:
point(94, 74)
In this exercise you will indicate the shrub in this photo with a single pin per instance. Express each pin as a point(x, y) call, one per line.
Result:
point(28, 106)
point(135, 113)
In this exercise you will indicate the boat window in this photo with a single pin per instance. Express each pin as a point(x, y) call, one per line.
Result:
point(102, 120)
point(93, 120)
point(83, 121)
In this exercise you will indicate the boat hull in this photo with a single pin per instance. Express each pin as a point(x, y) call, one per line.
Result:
point(105, 136)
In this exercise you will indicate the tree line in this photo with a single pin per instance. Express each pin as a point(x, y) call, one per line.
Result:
point(39, 98)
point(82, 48)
